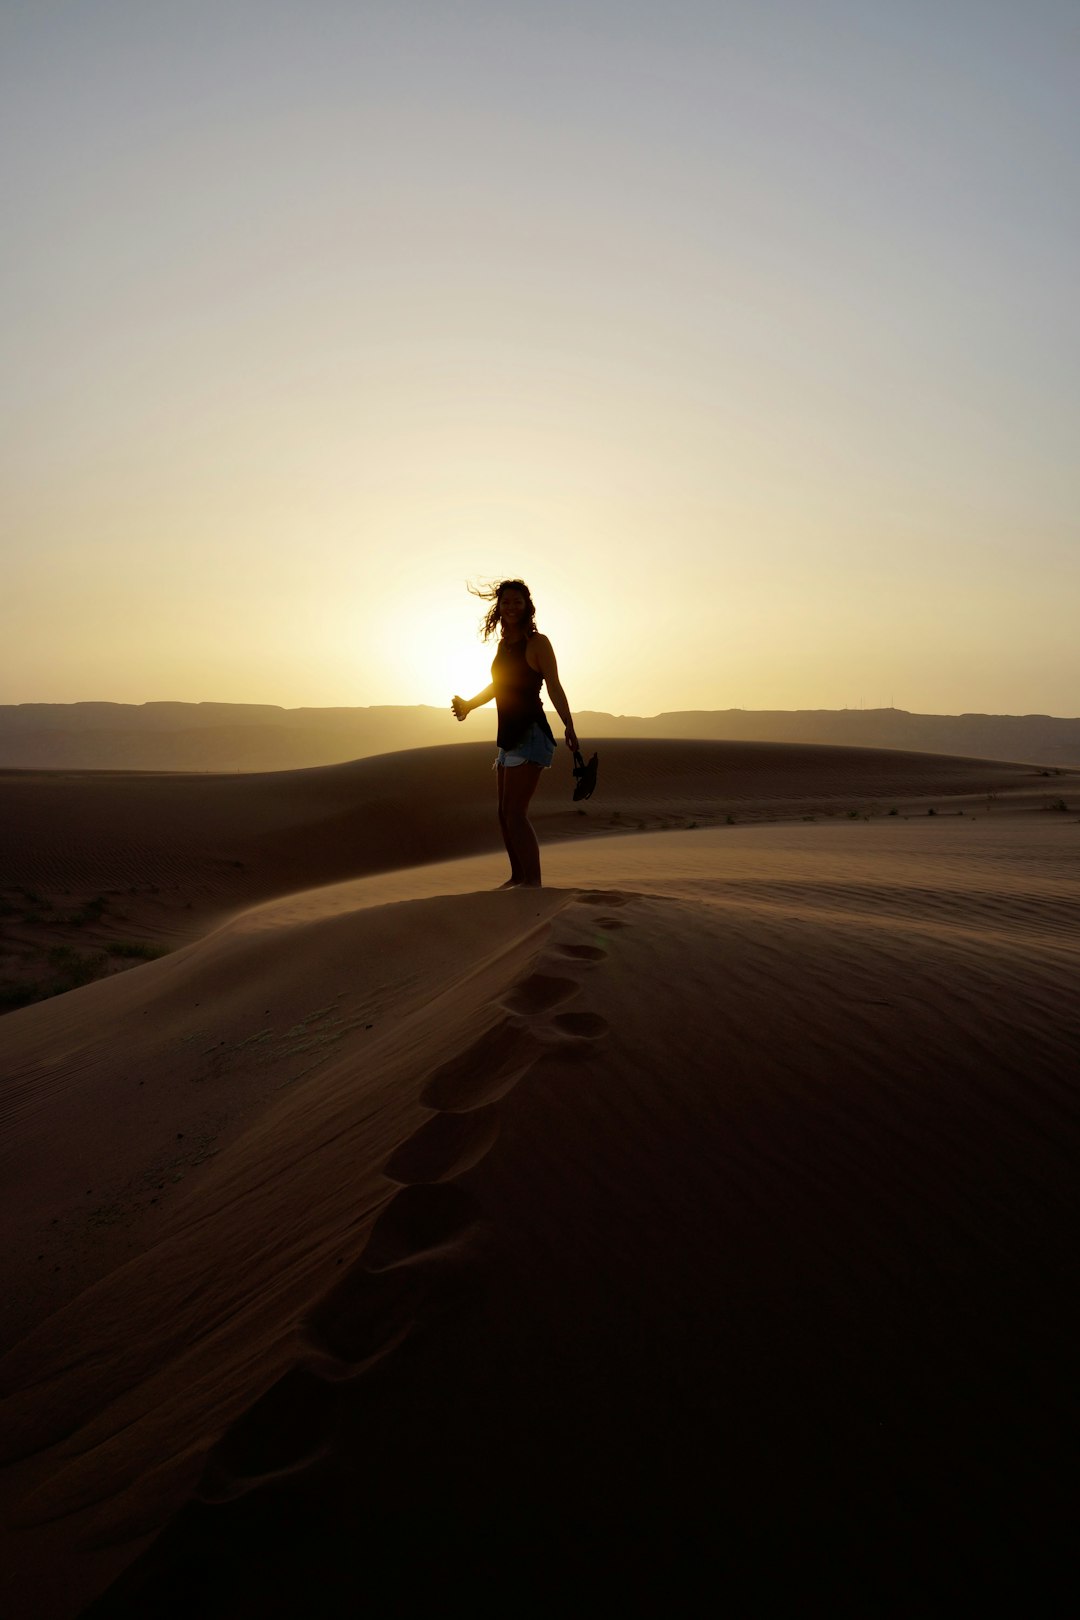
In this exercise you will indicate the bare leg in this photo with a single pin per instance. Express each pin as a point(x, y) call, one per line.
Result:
point(517, 788)
point(515, 873)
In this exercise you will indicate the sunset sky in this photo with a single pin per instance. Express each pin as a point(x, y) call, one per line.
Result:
point(747, 331)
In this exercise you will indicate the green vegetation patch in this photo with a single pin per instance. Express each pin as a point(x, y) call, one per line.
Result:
point(137, 949)
point(14, 995)
point(75, 967)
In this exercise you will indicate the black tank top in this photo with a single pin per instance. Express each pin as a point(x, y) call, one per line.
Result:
point(517, 693)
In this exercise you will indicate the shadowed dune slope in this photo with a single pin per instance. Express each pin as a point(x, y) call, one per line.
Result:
point(708, 1214)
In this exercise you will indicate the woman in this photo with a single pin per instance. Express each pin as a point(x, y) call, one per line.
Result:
point(523, 661)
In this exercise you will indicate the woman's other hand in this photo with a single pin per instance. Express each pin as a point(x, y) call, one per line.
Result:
point(459, 708)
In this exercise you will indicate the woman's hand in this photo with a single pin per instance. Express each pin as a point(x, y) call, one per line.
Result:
point(459, 708)
point(571, 739)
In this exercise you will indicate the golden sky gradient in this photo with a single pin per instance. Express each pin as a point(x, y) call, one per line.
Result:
point(746, 333)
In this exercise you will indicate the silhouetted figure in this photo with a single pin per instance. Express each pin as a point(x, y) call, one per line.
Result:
point(523, 662)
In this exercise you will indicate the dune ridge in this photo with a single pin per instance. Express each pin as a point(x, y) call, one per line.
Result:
point(100, 870)
point(709, 1211)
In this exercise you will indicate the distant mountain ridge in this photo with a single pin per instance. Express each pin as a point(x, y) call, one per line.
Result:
point(170, 736)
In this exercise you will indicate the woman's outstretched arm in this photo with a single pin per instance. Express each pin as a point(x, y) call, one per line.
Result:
point(549, 669)
point(464, 706)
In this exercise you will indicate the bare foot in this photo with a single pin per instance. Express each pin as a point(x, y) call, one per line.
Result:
point(511, 883)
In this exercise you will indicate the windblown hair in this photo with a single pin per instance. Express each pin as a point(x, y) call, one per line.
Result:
point(493, 594)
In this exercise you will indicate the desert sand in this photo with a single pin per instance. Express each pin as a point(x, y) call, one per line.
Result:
point(708, 1215)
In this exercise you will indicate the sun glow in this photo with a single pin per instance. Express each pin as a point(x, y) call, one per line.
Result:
point(808, 442)
point(436, 654)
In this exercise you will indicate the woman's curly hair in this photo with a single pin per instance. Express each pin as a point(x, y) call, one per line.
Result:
point(493, 594)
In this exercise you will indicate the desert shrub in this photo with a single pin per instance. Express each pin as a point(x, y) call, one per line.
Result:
point(74, 968)
point(90, 911)
point(13, 996)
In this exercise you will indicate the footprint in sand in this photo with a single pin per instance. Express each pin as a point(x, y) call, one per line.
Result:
point(361, 1321)
point(483, 1073)
point(573, 1037)
point(538, 993)
point(324, 1362)
point(446, 1146)
point(560, 1034)
point(583, 1026)
point(419, 1222)
point(602, 897)
point(411, 1264)
point(287, 1430)
point(371, 1311)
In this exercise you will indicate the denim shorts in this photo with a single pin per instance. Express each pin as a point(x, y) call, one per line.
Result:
point(535, 748)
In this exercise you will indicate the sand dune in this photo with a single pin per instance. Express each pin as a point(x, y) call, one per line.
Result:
point(708, 1214)
point(102, 869)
